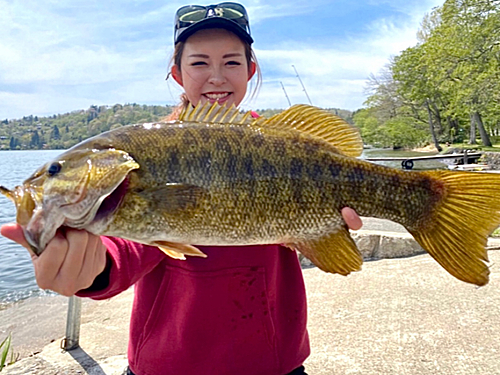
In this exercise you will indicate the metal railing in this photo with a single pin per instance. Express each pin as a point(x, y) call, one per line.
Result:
point(73, 320)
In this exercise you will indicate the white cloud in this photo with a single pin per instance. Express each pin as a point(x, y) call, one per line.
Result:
point(336, 76)
point(59, 56)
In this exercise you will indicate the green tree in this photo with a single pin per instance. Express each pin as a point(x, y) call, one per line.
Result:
point(36, 141)
point(465, 50)
point(13, 143)
point(55, 134)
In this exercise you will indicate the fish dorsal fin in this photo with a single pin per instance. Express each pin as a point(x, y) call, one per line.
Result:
point(304, 118)
point(215, 114)
point(319, 123)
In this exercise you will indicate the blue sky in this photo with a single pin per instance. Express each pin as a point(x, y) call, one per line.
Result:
point(57, 56)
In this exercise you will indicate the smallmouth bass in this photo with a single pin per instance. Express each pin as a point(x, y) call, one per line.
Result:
point(218, 177)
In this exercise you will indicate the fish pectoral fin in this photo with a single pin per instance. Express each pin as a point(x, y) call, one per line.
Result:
point(334, 253)
point(174, 197)
point(178, 250)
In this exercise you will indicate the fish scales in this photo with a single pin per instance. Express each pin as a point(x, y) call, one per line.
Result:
point(207, 180)
point(261, 181)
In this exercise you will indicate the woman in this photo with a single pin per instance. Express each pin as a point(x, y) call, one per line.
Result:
point(240, 311)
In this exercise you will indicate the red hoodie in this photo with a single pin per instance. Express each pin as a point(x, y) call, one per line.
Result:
point(240, 311)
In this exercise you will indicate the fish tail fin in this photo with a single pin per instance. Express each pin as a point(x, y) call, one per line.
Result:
point(457, 232)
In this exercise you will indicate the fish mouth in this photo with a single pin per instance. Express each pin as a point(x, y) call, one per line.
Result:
point(43, 225)
point(25, 201)
point(111, 203)
point(8, 193)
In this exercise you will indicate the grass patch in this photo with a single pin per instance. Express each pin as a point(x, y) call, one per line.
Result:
point(496, 233)
point(479, 147)
point(5, 349)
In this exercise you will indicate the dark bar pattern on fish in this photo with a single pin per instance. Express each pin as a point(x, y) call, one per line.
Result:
point(219, 177)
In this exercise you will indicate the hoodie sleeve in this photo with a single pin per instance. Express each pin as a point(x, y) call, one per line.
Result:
point(127, 262)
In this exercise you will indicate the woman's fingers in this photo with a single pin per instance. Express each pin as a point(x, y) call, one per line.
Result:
point(15, 233)
point(94, 261)
point(69, 263)
point(49, 263)
point(351, 218)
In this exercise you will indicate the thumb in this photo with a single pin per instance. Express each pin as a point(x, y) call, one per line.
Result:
point(15, 233)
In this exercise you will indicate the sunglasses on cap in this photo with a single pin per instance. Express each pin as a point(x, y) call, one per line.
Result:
point(231, 16)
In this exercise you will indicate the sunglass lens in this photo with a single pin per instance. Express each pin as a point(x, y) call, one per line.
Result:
point(230, 13)
point(232, 10)
point(191, 14)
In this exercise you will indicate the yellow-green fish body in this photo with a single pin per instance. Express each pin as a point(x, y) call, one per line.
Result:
point(217, 177)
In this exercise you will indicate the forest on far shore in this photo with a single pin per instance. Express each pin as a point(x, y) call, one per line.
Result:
point(65, 130)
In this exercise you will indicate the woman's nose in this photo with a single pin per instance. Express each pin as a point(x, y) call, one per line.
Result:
point(217, 77)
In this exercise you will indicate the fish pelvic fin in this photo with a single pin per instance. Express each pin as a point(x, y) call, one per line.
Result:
point(178, 250)
point(456, 233)
point(319, 123)
point(334, 253)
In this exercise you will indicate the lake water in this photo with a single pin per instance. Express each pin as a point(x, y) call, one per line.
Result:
point(17, 279)
point(16, 271)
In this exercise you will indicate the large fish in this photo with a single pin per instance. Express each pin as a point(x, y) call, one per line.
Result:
point(218, 177)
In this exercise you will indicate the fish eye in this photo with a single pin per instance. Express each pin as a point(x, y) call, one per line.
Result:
point(54, 169)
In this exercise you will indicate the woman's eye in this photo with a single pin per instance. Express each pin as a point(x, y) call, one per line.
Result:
point(198, 63)
point(233, 63)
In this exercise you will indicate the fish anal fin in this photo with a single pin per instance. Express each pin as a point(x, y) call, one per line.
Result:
point(334, 253)
point(178, 250)
point(319, 123)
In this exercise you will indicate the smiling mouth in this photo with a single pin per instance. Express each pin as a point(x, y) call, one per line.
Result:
point(217, 96)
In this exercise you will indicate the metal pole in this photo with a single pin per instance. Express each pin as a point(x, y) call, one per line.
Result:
point(287, 98)
point(303, 87)
point(71, 341)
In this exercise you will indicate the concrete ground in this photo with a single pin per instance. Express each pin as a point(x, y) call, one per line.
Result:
point(396, 316)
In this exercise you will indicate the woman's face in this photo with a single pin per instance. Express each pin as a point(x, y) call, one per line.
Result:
point(214, 68)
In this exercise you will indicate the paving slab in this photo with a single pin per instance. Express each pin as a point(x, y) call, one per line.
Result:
point(396, 316)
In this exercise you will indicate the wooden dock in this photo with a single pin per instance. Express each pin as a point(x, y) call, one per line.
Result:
point(408, 162)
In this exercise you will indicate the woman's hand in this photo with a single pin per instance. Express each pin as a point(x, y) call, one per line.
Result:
point(74, 258)
point(351, 218)
point(70, 262)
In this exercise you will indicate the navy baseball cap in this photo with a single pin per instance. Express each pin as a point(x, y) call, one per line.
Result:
point(230, 16)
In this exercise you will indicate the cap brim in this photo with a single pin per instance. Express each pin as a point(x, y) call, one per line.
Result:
point(212, 23)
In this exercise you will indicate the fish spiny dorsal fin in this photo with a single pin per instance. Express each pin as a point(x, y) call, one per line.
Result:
point(319, 123)
point(215, 114)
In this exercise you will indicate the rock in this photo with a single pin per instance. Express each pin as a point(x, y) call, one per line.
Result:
point(399, 246)
point(367, 243)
